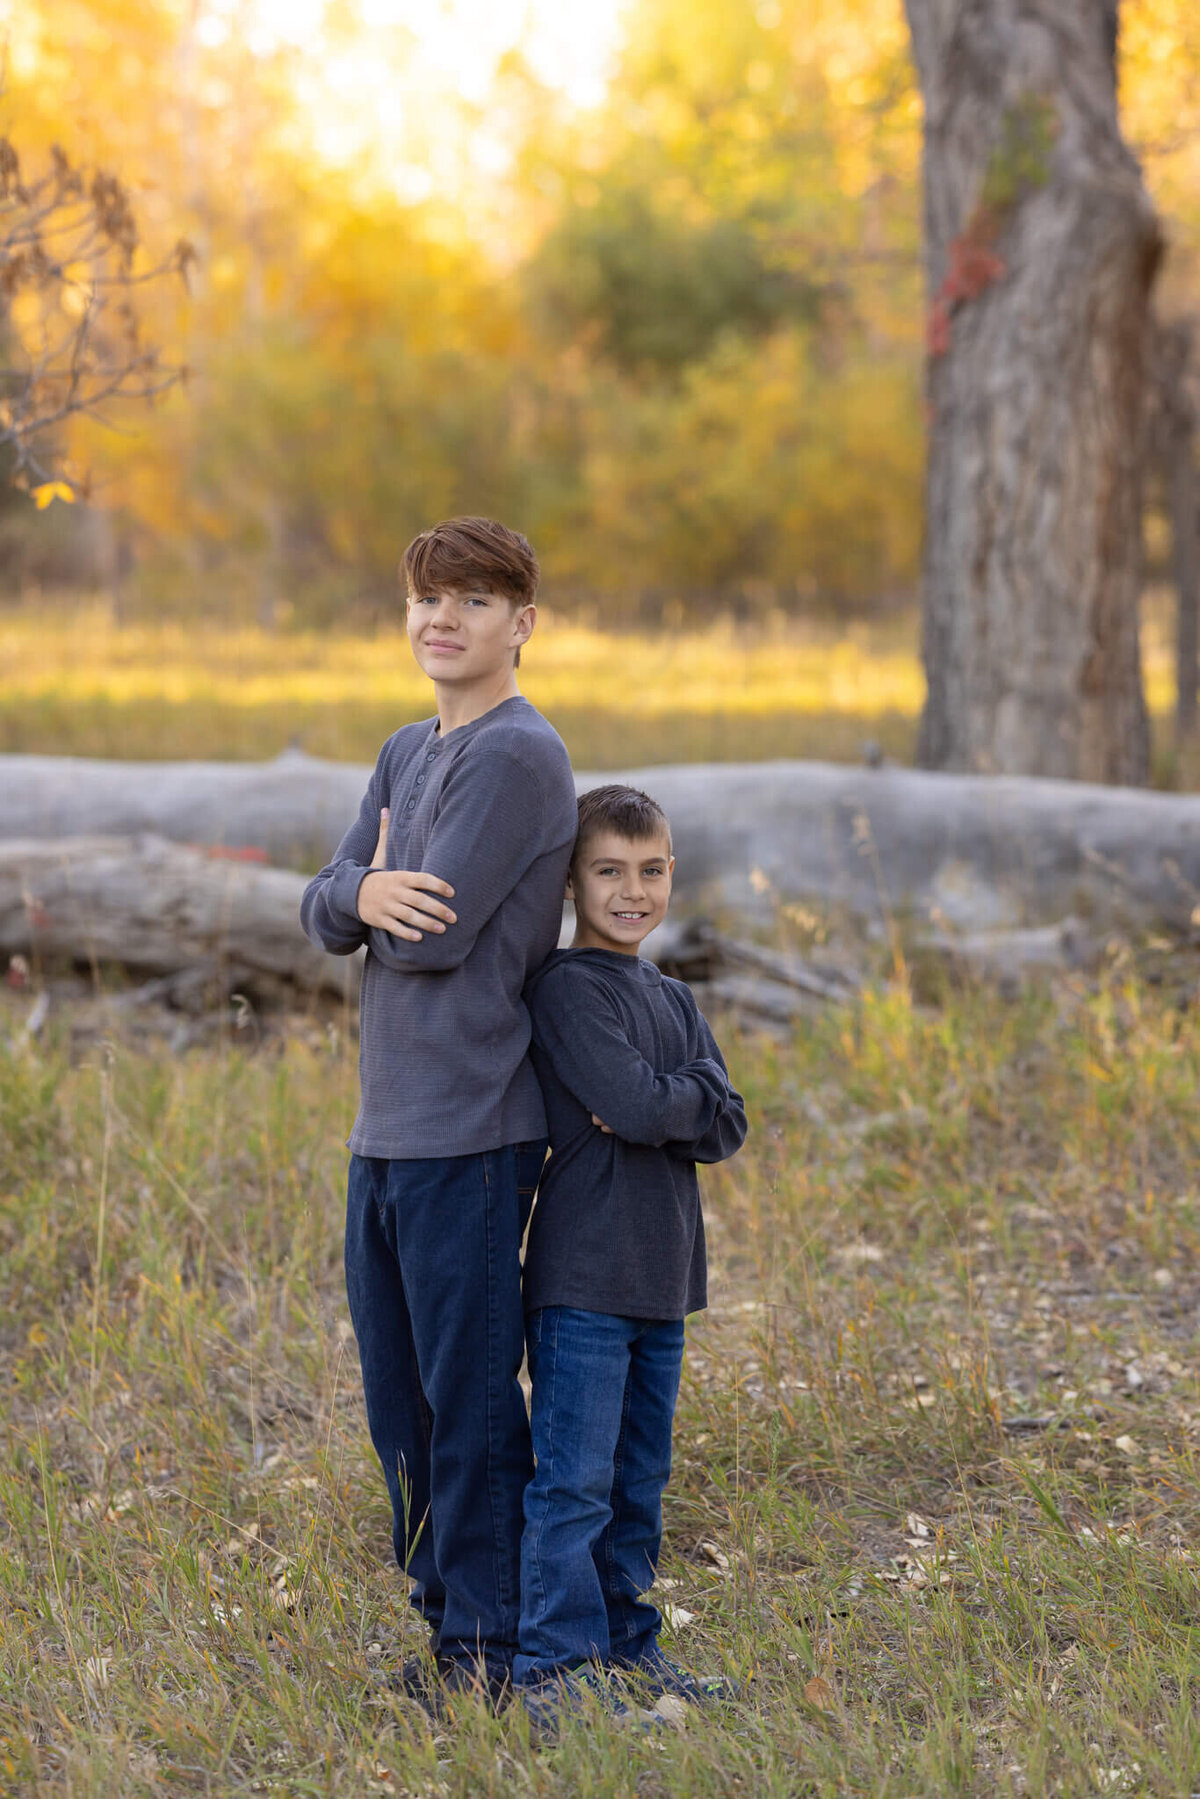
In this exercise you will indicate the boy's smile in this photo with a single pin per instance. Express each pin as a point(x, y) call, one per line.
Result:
point(621, 888)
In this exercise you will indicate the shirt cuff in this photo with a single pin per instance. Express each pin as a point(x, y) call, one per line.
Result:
point(343, 890)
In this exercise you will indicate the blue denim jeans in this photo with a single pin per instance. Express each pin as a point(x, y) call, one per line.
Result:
point(434, 1283)
point(604, 1392)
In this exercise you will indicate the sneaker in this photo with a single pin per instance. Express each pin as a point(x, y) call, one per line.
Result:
point(432, 1682)
point(486, 1680)
point(416, 1680)
point(549, 1702)
point(659, 1678)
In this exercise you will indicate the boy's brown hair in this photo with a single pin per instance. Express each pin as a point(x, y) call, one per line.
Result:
point(626, 811)
point(463, 553)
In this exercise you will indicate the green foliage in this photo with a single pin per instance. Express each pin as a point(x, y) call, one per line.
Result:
point(677, 338)
point(602, 357)
point(1020, 163)
point(795, 499)
point(653, 291)
point(733, 240)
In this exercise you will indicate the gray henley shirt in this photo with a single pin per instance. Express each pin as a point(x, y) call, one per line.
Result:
point(443, 1046)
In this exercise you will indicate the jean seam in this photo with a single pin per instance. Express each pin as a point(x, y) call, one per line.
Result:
point(508, 1597)
point(618, 1469)
point(489, 1245)
point(376, 1200)
point(423, 1411)
point(538, 1616)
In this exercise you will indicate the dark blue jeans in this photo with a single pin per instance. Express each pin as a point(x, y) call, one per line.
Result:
point(434, 1283)
point(604, 1392)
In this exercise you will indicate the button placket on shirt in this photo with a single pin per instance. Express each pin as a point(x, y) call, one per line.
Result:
point(419, 781)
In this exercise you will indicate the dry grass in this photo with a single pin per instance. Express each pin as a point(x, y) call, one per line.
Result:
point(74, 683)
point(952, 1217)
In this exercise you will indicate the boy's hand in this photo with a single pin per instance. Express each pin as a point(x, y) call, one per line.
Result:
point(399, 900)
point(601, 1126)
point(379, 859)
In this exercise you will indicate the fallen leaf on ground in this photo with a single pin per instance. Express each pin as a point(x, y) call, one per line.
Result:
point(819, 1694)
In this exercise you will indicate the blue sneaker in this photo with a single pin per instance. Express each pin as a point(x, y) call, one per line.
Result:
point(550, 1702)
point(658, 1677)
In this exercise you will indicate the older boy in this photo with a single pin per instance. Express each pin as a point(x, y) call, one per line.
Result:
point(636, 1094)
point(477, 807)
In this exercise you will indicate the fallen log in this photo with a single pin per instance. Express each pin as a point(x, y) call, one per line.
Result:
point(756, 1003)
point(783, 969)
point(205, 925)
point(764, 989)
point(157, 907)
point(1010, 957)
point(963, 852)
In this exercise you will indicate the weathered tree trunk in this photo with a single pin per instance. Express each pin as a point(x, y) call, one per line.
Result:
point(978, 852)
point(1175, 446)
point(158, 907)
point(1185, 553)
point(1041, 250)
point(223, 924)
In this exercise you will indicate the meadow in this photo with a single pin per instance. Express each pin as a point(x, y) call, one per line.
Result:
point(936, 1492)
point(74, 682)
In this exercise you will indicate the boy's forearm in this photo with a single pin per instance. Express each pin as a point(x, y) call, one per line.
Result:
point(659, 1108)
point(723, 1138)
point(434, 954)
point(329, 909)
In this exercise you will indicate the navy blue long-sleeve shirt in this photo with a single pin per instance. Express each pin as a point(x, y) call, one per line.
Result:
point(443, 1061)
point(617, 1226)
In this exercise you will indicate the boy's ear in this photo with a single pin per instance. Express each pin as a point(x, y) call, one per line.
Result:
point(570, 889)
point(524, 622)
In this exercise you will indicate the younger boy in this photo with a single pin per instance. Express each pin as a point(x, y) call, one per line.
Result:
point(636, 1094)
point(474, 806)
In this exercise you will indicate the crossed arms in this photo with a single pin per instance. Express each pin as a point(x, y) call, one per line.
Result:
point(693, 1112)
point(486, 835)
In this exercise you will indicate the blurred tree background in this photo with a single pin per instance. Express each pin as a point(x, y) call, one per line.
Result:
point(669, 320)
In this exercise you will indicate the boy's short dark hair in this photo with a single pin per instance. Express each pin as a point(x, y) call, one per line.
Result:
point(463, 553)
point(627, 811)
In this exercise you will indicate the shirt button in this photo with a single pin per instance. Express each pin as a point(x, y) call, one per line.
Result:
point(411, 806)
point(432, 756)
point(420, 778)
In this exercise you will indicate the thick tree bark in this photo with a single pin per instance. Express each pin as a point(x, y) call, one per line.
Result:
point(977, 852)
point(1175, 447)
point(1041, 249)
point(1185, 557)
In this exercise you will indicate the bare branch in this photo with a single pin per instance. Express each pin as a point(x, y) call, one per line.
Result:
point(68, 243)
